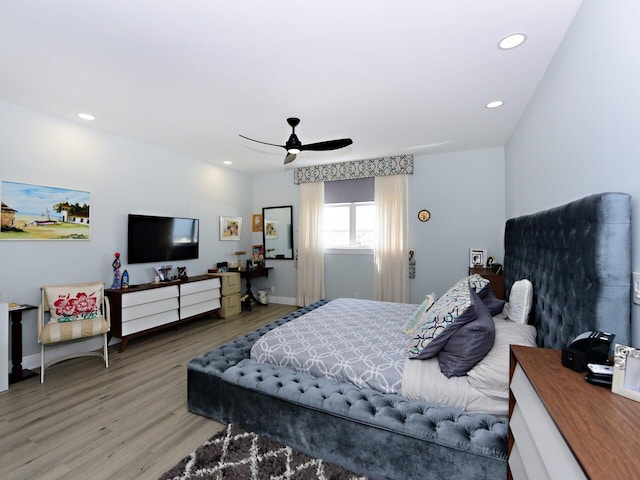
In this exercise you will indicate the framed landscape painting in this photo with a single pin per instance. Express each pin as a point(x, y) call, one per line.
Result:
point(38, 212)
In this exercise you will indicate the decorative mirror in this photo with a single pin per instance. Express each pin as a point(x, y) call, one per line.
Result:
point(277, 232)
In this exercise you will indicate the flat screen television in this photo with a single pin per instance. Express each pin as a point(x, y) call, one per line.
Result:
point(161, 239)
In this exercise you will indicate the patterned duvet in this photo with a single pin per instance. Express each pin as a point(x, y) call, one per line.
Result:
point(349, 340)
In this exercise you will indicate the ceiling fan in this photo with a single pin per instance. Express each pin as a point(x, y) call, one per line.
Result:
point(294, 146)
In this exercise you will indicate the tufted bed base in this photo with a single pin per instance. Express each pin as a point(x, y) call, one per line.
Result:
point(368, 432)
point(582, 248)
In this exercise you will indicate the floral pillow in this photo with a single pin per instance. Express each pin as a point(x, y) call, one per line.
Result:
point(72, 304)
point(444, 312)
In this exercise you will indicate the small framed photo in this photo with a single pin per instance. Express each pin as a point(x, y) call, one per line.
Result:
point(626, 372)
point(230, 228)
point(478, 257)
point(256, 222)
point(257, 254)
point(270, 229)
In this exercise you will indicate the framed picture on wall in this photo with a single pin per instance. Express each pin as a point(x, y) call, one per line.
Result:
point(40, 212)
point(230, 228)
point(256, 222)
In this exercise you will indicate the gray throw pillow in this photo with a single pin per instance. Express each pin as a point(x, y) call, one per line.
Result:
point(470, 343)
point(490, 300)
point(433, 348)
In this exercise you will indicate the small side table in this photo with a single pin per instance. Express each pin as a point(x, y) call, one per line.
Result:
point(496, 280)
point(17, 372)
point(254, 273)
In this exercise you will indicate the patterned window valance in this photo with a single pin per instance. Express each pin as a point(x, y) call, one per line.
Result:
point(376, 167)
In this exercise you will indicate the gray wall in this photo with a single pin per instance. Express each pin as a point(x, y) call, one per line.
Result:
point(276, 190)
point(581, 131)
point(123, 177)
point(464, 192)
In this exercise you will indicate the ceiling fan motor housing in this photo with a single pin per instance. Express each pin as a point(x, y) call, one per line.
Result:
point(293, 144)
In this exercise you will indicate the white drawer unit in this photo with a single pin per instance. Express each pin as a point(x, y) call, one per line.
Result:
point(146, 308)
point(199, 297)
point(539, 450)
point(142, 324)
point(145, 297)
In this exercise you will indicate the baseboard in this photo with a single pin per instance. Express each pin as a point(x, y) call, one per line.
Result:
point(32, 362)
point(282, 300)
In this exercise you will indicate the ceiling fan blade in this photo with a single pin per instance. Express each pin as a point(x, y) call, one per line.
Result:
point(328, 145)
point(264, 143)
point(289, 158)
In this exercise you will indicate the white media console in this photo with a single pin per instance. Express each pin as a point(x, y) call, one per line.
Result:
point(142, 309)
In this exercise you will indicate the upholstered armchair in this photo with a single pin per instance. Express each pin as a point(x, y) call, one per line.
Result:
point(72, 312)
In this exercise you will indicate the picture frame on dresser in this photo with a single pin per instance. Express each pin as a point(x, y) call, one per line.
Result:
point(477, 257)
point(626, 372)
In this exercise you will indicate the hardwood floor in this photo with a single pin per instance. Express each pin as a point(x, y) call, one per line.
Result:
point(129, 421)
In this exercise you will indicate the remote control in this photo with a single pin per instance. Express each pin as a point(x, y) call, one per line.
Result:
point(600, 379)
point(597, 368)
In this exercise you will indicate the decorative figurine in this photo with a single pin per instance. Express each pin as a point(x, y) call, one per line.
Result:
point(239, 254)
point(116, 271)
point(182, 273)
point(125, 279)
point(412, 265)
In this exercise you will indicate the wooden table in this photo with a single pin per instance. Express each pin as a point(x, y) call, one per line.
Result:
point(496, 279)
point(599, 427)
point(17, 372)
point(248, 275)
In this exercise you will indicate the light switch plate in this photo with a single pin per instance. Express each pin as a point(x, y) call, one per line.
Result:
point(636, 288)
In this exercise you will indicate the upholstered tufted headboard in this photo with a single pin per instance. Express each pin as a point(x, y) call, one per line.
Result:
point(578, 257)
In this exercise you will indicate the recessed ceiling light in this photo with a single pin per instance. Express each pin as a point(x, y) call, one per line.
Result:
point(227, 162)
point(512, 41)
point(86, 116)
point(495, 104)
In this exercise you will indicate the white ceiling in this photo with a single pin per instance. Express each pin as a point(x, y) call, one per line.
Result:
point(404, 76)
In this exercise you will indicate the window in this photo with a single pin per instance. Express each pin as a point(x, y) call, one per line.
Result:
point(349, 225)
point(349, 214)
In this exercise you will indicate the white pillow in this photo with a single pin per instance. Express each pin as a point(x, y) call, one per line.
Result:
point(491, 374)
point(520, 301)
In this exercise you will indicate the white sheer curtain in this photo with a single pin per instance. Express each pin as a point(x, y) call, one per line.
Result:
point(310, 249)
point(391, 254)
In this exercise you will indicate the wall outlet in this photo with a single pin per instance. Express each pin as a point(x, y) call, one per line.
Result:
point(636, 288)
point(273, 289)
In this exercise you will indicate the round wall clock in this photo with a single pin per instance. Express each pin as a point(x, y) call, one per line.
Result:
point(424, 215)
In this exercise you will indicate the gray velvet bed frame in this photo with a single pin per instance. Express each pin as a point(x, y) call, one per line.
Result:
point(578, 258)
